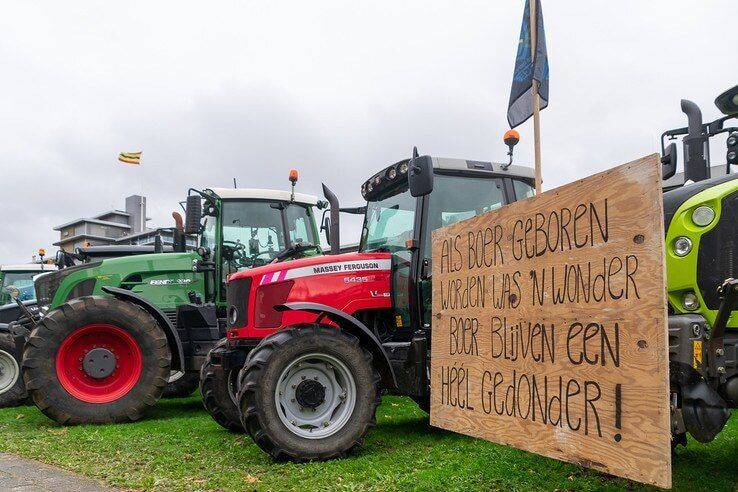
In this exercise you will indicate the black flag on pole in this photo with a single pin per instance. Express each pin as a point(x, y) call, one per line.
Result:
point(520, 107)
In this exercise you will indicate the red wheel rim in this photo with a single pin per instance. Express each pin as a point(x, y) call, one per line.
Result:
point(75, 378)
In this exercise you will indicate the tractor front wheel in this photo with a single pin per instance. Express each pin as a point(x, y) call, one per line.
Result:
point(308, 393)
point(218, 388)
point(12, 389)
point(96, 360)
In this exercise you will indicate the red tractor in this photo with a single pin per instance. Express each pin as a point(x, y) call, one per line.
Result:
point(306, 390)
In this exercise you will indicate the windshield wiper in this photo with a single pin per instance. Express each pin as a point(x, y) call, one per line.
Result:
point(295, 249)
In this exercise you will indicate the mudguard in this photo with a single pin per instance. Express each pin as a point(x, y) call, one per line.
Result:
point(355, 327)
point(17, 332)
point(175, 344)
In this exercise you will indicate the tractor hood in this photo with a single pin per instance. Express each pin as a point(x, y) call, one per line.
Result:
point(133, 272)
point(348, 282)
point(348, 263)
point(675, 198)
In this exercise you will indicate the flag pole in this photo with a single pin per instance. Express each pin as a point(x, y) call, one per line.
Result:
point(536, 98)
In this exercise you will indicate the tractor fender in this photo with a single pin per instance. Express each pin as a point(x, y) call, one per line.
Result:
point(18, 332)
point(351, 325)
point(175, 344)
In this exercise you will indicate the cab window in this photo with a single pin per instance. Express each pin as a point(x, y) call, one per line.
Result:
point(523, 190)
point(299, 224)
point(448, 204)
point(389, 222)
point(23, 282)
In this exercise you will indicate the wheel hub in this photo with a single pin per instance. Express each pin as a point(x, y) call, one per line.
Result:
point(99, 363)
point(310, 394)
point(9, 371)
point(315, 396)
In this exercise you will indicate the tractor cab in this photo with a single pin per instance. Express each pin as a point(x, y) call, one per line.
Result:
point(245, 228)
point(16, 281)
point(402, 211)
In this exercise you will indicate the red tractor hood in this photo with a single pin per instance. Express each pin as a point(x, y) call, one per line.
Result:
point(316, 265)
point(349, 282)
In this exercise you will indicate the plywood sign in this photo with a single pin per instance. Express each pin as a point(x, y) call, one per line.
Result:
point(549, 329)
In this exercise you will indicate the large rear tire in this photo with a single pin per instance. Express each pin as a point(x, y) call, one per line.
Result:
point(308, 393)
point(96, 360)
point(182, 387)
point(218, 388)
point(12, 389)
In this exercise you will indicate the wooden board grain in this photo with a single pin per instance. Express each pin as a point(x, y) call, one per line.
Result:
point(549, 330)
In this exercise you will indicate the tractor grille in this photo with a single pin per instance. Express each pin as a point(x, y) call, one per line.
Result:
point(717, 257)
point(237, 300)
point(172, 315)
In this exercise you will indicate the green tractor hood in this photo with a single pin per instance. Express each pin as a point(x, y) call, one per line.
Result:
point(165, 279)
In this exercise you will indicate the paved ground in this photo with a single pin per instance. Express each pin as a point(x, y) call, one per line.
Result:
point(23, 475)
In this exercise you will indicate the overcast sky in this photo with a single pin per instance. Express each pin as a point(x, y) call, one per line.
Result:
point(210, 91)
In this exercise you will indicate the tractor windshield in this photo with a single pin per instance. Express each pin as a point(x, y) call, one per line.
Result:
point(388, 223)
point(23, 281)
point(255, 231)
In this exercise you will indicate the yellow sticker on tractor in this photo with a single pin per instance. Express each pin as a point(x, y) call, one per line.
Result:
point(696, 353)
point(398, 321)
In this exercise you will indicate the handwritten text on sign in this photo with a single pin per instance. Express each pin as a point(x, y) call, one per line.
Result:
point(549, 329)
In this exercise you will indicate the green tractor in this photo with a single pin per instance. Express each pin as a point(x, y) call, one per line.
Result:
point(114, 333)
point(701, 223)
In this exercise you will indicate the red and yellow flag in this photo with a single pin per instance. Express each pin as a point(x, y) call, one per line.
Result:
point(130, 158)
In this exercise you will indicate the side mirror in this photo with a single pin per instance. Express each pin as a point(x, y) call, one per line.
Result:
point(727, 102)
point(326, 227)
point(194, 214)
point(669, 161)
point(420, 175)
point(12, 291)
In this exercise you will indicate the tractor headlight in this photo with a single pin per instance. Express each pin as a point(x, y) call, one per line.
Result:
point(403, 168)
point(391, 173)
point(703, 216)
point(232, 315)
point(682, 246)
point(690, 301)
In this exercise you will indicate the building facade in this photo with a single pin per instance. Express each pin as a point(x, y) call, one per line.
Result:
point(113, 227)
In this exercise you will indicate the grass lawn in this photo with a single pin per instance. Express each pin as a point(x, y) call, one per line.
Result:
point(178, 447)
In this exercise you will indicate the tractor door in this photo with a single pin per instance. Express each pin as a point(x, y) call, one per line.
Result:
point(456, 197)
point(390, 225)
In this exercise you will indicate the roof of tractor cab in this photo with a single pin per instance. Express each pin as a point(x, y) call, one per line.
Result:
point(27, 267)
point(263, 194)
point(395, 174)
point(449, 164)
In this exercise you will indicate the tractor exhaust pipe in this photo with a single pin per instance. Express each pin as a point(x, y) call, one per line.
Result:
point(335, 230)
point(178, 235)
point(695, 164)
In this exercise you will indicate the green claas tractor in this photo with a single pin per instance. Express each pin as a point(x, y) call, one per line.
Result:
point(115, 332)
point(701, 223)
